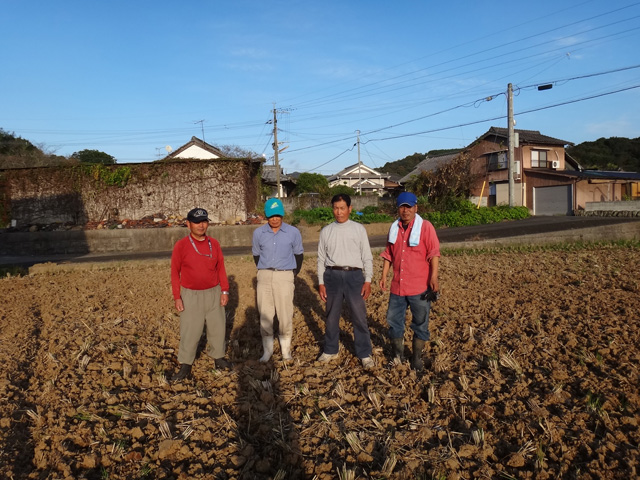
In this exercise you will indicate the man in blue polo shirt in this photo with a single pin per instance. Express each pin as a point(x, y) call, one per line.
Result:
point(277, 251)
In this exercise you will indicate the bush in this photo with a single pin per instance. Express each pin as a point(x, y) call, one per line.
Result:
point(463, 213)
point(466, 216)
point(337, 189)
point(324, 216)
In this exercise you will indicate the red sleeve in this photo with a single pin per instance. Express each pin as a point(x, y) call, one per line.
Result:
point(433, 244)
point(176, 266)
point(387, 251)
point(222, 272)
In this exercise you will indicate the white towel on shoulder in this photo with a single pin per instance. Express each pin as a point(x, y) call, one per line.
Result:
point(414, 237)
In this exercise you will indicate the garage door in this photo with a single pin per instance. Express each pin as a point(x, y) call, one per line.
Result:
point(553, 200)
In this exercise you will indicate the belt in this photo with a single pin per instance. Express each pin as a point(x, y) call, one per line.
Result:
point(345, 269)
point(278, 269)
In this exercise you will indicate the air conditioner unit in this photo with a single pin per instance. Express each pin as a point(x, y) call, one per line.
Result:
point(555, 164)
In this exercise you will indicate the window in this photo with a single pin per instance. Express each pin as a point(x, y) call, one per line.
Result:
point(539, 159)
point(498, 160)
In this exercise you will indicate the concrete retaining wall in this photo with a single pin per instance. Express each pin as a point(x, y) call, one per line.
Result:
point(134, 240)
point(162, 239)
point(605, 233)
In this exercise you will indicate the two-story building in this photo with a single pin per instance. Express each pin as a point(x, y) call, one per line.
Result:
point(546, 180)
point(362, 179)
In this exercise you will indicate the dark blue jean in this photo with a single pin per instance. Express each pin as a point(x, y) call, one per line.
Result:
point(419, 312)
point(346, 285)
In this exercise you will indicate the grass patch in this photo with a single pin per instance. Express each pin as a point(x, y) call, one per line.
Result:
point(13, 271)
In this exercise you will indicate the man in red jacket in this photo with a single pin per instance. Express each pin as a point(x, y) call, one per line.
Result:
point(201, 291)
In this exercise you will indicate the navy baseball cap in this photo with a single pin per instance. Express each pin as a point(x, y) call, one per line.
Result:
point(198, 215)
point(407, 198)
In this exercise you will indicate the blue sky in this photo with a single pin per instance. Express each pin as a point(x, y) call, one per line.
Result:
point(132, 77)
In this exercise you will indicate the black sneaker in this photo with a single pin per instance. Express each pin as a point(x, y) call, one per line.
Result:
point(222, 363)
point(184, 372)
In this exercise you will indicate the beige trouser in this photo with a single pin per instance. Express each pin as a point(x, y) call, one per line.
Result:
point(201, 307)
point(275, 297)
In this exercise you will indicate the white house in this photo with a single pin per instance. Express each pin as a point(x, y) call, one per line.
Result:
point(361, 178)
point(196, 149)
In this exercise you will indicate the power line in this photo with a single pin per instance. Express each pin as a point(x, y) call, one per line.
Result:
point(467, 104)
point(503, 116)
point(341, 95)
point(580, 77)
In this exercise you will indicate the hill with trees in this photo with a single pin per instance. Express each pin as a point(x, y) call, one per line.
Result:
point(614, 153)
point(406, 165)
point(16, 152)
point(608, 154)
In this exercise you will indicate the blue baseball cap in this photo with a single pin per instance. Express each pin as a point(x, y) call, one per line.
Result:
point(407, 198)
point(273, 207)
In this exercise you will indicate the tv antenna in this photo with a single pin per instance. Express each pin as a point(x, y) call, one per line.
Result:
point(201, 122)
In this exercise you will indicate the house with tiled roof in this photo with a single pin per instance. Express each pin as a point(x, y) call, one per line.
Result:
point(546, 180)
point(429, 164)
point(362, 179)
point(270, 181)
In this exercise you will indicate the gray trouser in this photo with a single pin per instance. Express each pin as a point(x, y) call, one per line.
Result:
point(201, 307)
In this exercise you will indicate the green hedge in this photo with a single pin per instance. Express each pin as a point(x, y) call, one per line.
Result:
point(462, 213)
point(476, 216)
point(324, 216)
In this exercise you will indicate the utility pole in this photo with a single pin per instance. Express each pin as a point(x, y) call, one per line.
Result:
point(359, 166)
point(510, 124)
point(275, 150)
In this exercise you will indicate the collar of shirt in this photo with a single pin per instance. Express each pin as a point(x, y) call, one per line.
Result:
point(284, 227)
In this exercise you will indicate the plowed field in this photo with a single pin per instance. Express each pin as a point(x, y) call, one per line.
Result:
point(533, 373)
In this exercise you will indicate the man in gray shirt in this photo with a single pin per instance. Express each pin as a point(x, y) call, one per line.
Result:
point(345, 268)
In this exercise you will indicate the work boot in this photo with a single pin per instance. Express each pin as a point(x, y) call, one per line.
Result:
point(184, 372)
point(267, 347)
point(285, 347)
point(222, 363)
point(418, 346)
point(398, 348)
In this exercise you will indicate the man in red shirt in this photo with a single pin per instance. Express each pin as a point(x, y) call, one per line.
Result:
point(413, 250)
point(201, 291)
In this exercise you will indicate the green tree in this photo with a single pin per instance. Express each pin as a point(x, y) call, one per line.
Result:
point(608, 154)
point(312, 183)
point(93, 156)
point(406, 165)
point(336, 189)
point(403, 166)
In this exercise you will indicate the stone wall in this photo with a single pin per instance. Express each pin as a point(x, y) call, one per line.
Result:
point(78, 194)
point(610, 209)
